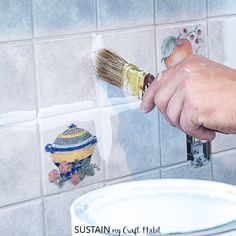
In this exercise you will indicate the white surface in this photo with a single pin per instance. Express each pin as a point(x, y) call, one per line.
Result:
point(174, 205)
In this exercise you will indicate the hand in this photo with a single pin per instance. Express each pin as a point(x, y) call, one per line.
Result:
point(197, 96)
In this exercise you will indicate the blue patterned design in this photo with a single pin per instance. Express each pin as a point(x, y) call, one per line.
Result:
point(52, 148)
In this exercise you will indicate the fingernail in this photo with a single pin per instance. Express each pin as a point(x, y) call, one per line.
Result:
point(142, 107)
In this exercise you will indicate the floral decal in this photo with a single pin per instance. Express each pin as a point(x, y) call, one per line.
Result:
point(72, 152)
point(176, 48)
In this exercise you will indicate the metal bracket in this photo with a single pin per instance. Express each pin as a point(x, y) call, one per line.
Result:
point(198, 152)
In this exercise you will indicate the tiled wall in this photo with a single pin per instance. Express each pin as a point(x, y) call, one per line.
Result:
point(47, 82)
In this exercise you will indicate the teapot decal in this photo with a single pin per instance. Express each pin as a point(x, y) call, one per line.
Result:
point(72, 152)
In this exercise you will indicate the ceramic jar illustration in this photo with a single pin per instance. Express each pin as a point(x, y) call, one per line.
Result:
point(72, 152)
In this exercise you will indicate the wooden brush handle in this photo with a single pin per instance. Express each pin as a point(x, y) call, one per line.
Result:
point(147, 82)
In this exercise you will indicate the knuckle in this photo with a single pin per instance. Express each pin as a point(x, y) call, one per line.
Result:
point(188, 64)
point(188, 85)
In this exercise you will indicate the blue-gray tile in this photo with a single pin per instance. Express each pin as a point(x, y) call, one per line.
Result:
point(223, 142)
point(224, 167)
point(124, 13)
point(17, 91)
point(175, 10)
point(131, 142)
point(57, 211)
point(135, 46)
point(15, 20)
point(65, 76)
point(23, 219)
point(51, 127)
point(187, 172)
point(222, 43)
point(173, 144)
point(221, 7)
point(19, 159)
point(63, 17)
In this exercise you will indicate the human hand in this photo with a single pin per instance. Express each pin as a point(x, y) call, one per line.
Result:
point(197, 96)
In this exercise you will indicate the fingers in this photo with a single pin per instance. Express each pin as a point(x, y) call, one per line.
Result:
point(189, 124)
point(174, 108)
point(148, 102)
point(165, 92)
point(148, 98)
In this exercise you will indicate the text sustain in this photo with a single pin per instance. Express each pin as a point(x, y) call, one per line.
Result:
point(92, 229)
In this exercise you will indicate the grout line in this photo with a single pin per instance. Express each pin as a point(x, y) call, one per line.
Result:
point(173, 165)
point(226, 151)
point(66, 191)
point(132, 176)
point(93, 32)
point(211, 163)
point(15, 123)
point(44, 215)
point(159, 151)
point(42, 198)
point(154, 11)
point(96, 13)
point(40, 164)
point(20, 203)
point(68, 113)
point(207, 7)
point(20, 42)
point(219, 17)
point(32, 17)
point(114, 30)
point(208, 56)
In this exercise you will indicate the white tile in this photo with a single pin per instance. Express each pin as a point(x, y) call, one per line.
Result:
point(222, 43)
point(223, 142)
point(175, 10)
point(224, 168)
point(65, 76)
point(17, 91)
point(63, 17)
point(23, 219)
point(221, 7)
point(57, 211)
point(130, 140)
point(15, 20)
point(50, 128)
point(124, 13)
point(187, 172)
point(19, 167)
point(173, 144)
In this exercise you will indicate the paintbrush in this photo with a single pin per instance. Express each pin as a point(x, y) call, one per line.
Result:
point(115, 70)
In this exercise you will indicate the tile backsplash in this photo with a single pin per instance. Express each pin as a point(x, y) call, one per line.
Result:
point(47, 84)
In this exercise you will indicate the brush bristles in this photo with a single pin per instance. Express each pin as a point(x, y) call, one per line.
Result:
point(108, 66)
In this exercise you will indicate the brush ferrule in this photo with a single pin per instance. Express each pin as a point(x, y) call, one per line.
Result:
point(133, 79)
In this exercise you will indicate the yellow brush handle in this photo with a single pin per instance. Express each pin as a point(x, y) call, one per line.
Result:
point(135, 80)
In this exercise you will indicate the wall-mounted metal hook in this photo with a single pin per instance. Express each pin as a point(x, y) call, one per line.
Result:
point(198, 152)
